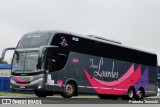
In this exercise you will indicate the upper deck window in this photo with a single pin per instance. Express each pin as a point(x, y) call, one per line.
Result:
point(34, 40)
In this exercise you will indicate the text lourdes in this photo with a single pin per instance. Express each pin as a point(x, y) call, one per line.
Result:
point(103, 73)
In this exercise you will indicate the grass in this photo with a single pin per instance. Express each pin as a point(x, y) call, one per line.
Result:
point(14, 93)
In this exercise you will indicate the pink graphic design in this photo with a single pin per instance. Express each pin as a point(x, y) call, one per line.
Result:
point(75, 60)
point(18, 79)
point(143, 81)
point(63, 42)
point(60, 83)
point(118, 87)
point(116, 82)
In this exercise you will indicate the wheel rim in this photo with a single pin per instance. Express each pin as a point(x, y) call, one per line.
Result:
point(131, 94)
point(69, 89)
point(140, 94)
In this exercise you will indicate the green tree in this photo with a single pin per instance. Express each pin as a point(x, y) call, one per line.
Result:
point(2, 62)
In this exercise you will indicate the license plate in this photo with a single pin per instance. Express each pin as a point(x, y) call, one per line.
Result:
point(22, 86)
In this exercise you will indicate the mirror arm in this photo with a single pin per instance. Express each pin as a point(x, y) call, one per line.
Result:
point(4, 52)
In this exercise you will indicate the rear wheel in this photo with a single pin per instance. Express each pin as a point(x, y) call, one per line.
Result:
point(131, 93)
point(140, 94)
point(69, 90)
point(40, 93)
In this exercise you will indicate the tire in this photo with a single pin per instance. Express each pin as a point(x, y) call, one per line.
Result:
point(131, 93)
point(40, 93)
point(140, 94)
point(69, 90)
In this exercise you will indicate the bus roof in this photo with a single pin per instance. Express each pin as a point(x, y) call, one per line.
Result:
point(95, 38)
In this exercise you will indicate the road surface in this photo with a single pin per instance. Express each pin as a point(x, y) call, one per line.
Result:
point(75, 100)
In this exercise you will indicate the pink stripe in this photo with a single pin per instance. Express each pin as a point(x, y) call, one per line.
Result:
point(130, 81)
point(17, 79)
point(116, 82)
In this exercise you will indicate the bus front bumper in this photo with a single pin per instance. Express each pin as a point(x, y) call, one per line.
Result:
point(36, 84)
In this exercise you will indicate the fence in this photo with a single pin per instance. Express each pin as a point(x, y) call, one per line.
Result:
point(5, 73)
point(5, 77)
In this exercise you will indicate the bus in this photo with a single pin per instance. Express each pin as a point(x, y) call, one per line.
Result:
point(58, 62)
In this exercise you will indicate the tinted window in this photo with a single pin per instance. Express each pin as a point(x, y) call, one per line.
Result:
point(34, 40)
point(82, 45)
point(25, 62)
point(96, 48)
point(55, 60)
point(63, 41)
point(122, 53)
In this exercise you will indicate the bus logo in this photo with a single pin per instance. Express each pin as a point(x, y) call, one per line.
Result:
point(103, 73)
point(64, 42)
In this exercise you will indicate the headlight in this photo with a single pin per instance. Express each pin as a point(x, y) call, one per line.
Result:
point(12, 81)
point(37, 80)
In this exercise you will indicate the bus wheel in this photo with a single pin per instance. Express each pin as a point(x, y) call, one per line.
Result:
point(140, 94)
point(69, 90)
point(131, 93)
point(40, 93)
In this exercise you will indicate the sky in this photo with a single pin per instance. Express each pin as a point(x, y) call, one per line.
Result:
point(135, 23)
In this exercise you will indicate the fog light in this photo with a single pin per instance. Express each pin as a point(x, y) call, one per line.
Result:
point(39, 87)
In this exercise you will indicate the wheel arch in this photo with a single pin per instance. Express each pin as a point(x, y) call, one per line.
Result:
point(143, 90)
point(75, 83)
point(132, 87)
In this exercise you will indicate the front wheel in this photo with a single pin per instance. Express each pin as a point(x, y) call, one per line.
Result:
point(69, 90)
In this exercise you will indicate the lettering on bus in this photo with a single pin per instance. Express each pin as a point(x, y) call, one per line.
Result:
point(103, 73)
point(33, 36)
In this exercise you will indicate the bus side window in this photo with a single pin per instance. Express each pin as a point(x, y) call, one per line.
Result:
point(51, 63)
point(55, 63)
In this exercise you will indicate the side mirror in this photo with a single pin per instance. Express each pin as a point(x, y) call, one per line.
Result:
point(4, 52)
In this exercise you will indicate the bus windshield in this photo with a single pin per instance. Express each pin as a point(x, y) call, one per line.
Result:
point(25, 62)
point(34, 40)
